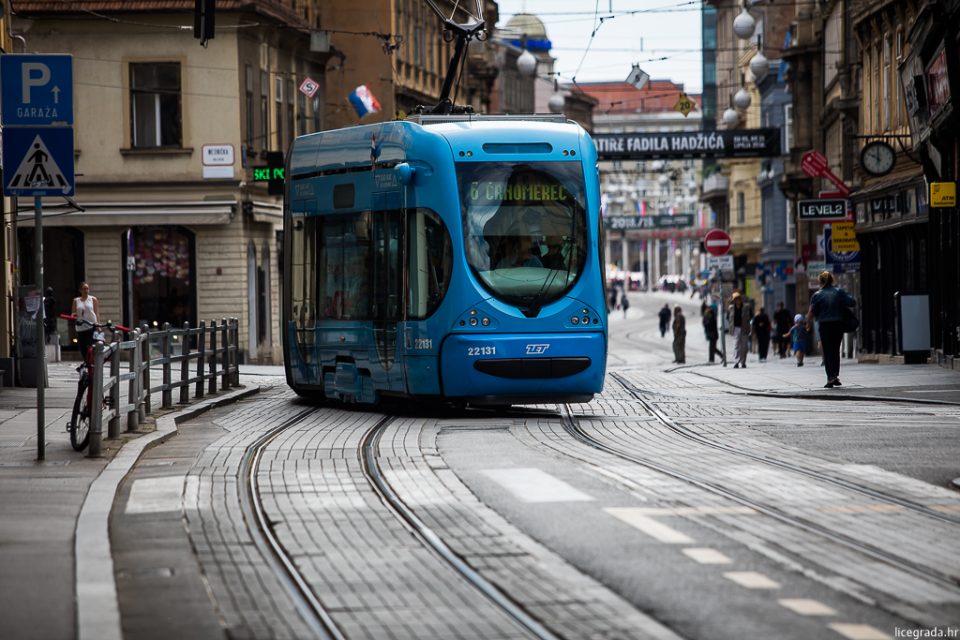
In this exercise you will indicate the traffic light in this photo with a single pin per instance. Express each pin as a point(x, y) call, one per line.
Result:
point(203, 20)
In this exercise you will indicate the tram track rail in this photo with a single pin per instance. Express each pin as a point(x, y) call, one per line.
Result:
point(311, 610)
point(571, 425)
point(683, 431)
point(369, 458)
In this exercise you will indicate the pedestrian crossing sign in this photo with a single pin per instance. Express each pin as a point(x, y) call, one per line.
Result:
point(38, 161)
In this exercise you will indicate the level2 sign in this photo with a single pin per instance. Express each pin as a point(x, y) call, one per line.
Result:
point(38, 161)
point(37, 90)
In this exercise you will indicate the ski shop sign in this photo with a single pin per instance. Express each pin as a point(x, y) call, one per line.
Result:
point(740, 143)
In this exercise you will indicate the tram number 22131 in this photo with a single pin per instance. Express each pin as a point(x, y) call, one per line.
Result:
point(481, 351)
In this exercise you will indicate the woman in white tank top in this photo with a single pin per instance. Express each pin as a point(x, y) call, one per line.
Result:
point(85, 307)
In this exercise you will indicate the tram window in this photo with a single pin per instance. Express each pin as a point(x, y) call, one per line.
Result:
point(430, 262)
point(525, 226)
point(343, 263)
point(387, 267)
point(303, 284)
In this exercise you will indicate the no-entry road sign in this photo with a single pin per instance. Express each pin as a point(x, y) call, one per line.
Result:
point(717, 242)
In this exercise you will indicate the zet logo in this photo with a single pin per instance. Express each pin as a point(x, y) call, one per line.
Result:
point(537, 349)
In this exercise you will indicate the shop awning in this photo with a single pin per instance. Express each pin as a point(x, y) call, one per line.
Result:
point(120, 214)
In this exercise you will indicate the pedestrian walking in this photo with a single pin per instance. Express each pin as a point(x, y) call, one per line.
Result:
point(828, 306)
point(664, 316)
point(624, 303)
point(799, 333)
point(712, 333)
point(613, 299)
point(761, 329)
point(49, 315)
point(783, 321)
point(679, 335)
point(85, 307)
point(739, 322)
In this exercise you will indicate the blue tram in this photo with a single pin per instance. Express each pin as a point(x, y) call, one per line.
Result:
point(452, 257)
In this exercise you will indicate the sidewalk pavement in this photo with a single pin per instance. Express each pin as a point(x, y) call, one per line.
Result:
point(41, 502)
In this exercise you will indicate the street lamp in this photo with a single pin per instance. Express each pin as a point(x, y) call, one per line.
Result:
point(527, 63)
point(744, 25)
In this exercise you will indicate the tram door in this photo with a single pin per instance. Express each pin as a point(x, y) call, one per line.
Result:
point(387, 280)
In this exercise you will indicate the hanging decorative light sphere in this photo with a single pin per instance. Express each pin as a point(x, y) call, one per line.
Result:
point(731, 118)
point(526, 63)
point(759, 67)
point(556, 102)
point(741, 99)
point(744, 25)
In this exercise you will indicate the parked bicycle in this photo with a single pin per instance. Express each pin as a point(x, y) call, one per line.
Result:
point(80, 419)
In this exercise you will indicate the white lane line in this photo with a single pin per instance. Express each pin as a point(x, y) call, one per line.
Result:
point(657, 530)
point(695, 511)
point(155, 495)
point(534, 485)
point(705, 555)
point(807, 607)
point(858, 631)
point(751, 580)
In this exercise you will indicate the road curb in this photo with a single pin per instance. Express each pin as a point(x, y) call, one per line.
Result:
point(98, 612)
point(838, 395)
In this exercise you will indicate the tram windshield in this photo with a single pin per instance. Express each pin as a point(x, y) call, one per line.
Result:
point(525, 227)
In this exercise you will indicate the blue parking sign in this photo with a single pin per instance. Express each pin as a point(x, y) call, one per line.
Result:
point(38, 161)
point(36, 89)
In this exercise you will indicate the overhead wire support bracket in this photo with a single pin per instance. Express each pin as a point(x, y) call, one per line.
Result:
point(464, 32)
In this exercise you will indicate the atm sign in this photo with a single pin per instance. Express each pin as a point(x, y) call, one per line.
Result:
point(943, 194)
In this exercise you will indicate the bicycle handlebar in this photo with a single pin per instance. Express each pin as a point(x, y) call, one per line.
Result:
point(109, 325)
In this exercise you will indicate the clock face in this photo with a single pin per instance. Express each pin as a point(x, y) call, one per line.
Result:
point(877, 158)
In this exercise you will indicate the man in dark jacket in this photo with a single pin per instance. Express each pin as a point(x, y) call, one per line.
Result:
point(828, 306)
point(783, 322)
point(664, 319)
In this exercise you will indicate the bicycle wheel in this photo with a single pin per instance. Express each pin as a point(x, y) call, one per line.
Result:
point(80, 420)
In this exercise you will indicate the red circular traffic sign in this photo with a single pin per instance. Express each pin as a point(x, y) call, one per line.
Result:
point(717, 242)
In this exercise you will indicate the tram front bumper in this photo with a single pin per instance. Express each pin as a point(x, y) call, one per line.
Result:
point(517, 366)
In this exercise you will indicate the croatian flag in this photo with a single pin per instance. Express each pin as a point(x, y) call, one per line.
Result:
point(363, 101)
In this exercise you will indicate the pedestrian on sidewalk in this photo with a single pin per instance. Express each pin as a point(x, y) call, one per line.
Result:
point(624, 303)
point(800, 334)
point(761, 329)
point(738, 319)
point(782, 320)
point(85, 307)
point(712, 334)
point(679, 335)
point(828, 306)
point(664, 316)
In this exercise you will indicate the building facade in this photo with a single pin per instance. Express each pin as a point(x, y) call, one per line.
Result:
point(169, 225)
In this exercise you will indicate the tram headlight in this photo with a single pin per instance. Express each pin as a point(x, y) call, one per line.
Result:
point(586, 320)
point(485, 322)
point(575, 320)
point(473, 322)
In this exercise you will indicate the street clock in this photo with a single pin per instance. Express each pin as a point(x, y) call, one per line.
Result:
point(877, 158)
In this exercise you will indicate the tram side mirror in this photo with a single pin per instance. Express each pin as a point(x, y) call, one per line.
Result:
point(405, 172)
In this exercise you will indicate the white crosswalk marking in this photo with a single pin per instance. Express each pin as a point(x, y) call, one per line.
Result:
point(534, 485)
point(653, 528)
point(858, 631)
point(751, 580)
point(807, 607)
point(155, 495)
point(705, 555)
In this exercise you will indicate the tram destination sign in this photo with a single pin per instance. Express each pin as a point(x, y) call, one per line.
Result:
point(734, 143)
point(677, 221)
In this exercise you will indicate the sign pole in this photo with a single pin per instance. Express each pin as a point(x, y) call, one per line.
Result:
point(41, 342)
point(723, 322)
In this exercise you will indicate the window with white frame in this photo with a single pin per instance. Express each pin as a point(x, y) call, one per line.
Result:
point(791, 224)
point(155, 110)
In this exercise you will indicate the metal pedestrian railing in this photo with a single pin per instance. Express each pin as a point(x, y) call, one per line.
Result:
point(128, 374)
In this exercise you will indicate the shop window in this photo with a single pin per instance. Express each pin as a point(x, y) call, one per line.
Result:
point(161, 286)
point(155, 118)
